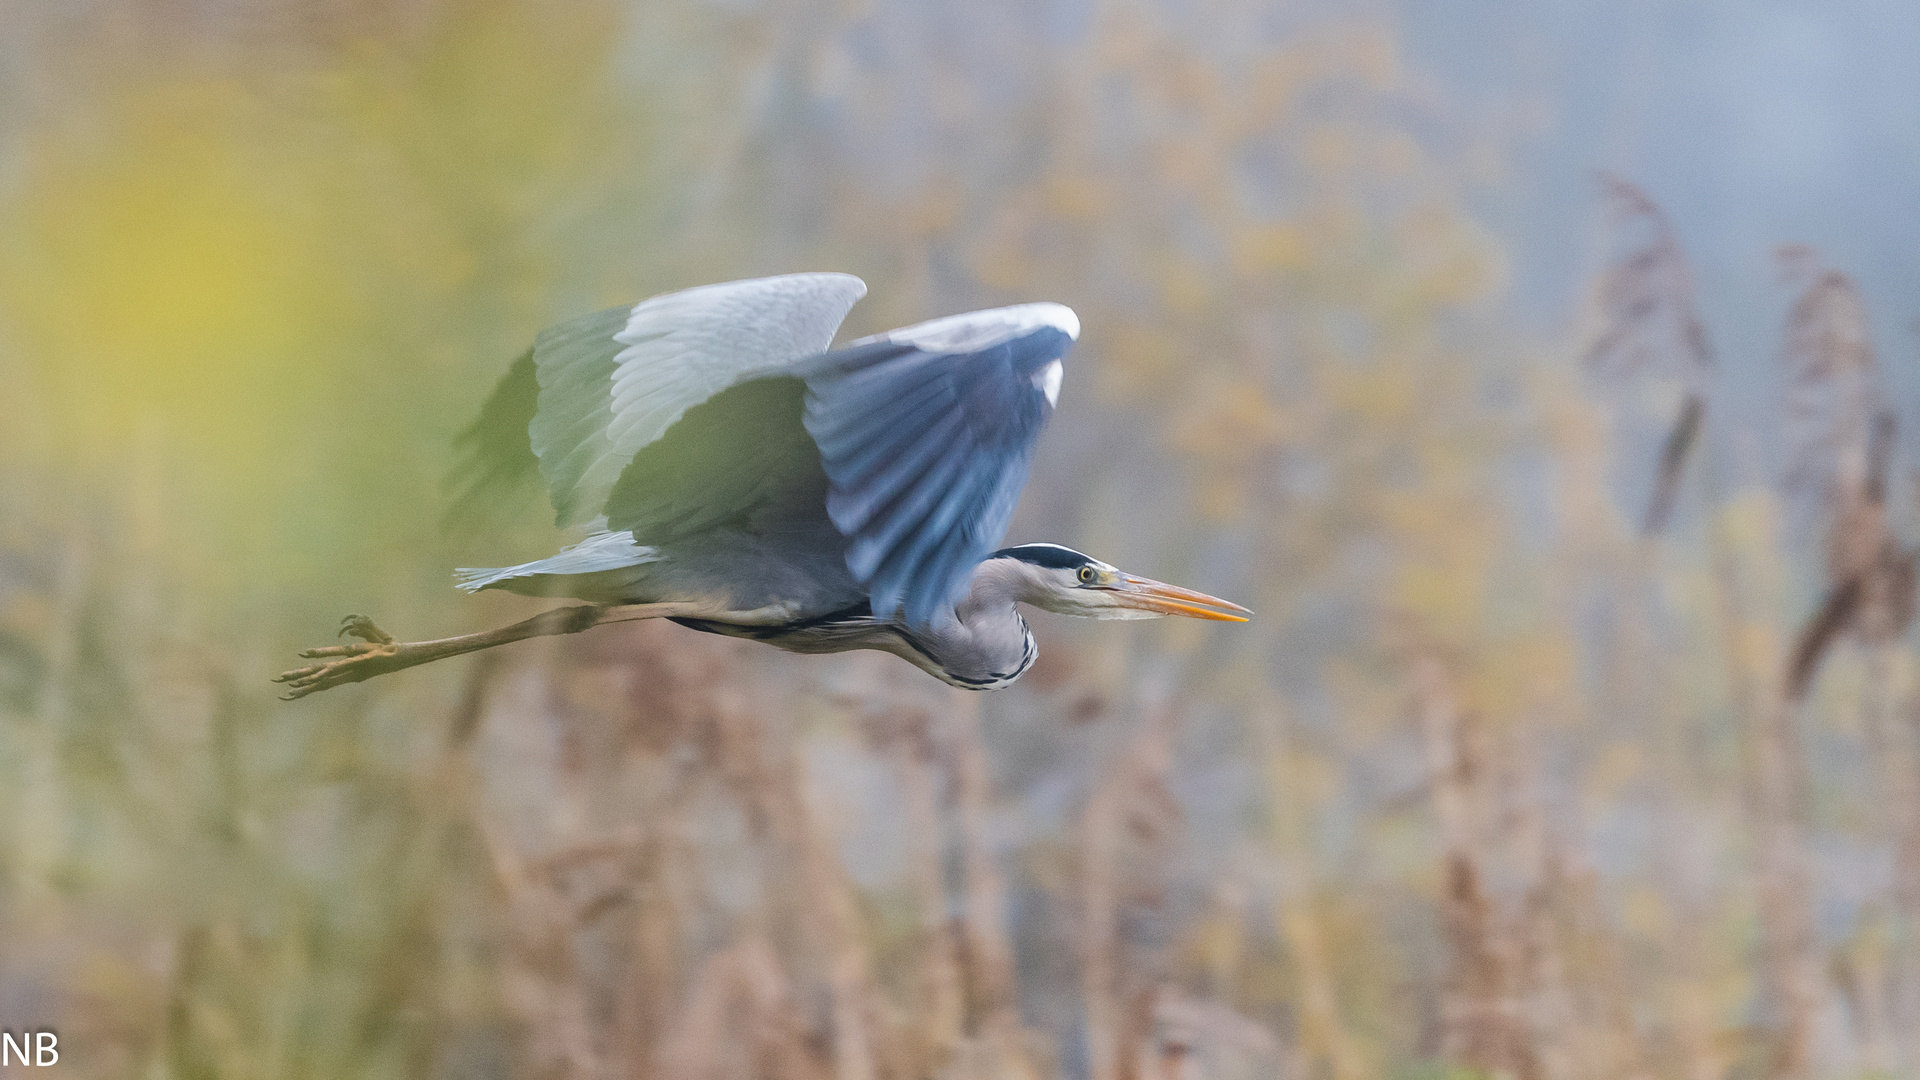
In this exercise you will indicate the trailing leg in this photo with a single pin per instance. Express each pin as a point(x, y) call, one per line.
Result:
point(379, 653)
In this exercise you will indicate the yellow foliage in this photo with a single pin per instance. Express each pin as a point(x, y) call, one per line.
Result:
point(1620, 764)
point(1331, 148)
point(1454, 260)
point(1395, 155)
point(1075, 198)
point(1515, 675)
point(1644, 912)
point(160, 271)
point(1282, 247)
point(1231, 420)
point(1188, 289)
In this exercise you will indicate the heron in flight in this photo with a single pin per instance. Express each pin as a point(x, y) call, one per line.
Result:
point(737, 476)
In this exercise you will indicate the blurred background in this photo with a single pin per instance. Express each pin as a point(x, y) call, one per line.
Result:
point(1541, 373)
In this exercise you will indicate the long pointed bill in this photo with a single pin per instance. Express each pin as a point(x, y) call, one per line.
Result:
point(1163, 599)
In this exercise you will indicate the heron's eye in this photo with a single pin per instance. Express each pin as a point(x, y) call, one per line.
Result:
point(1086, 575)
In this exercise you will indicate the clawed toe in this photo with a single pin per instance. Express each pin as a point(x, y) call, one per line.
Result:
point(365, 629)
point(338, 650)
point(344, 663)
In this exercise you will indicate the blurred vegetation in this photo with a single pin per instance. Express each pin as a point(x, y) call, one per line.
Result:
point(1494, 785)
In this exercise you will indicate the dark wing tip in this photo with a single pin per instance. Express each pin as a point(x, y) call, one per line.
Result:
point(495, 467)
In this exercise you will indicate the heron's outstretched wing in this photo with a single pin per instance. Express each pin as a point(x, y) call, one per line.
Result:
point(610, 383)
point(603, 397)
point(925, 434)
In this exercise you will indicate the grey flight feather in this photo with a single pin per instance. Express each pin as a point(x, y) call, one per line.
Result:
point(574, 364)
point(613, 382)
point(598, 552)
point(495, 458)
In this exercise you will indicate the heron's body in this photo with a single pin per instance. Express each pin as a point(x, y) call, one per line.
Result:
point(805, 604)
point(736, 475)
point(984, 647)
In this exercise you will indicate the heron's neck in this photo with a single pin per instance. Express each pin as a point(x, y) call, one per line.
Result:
point(988, 643)
point(999, 584)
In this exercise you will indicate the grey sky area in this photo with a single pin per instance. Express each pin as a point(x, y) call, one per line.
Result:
point(1753, 123)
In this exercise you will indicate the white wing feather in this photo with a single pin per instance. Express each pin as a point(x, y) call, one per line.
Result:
point(674, 352)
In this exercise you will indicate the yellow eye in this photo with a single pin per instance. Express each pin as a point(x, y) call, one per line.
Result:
point(1086, 575)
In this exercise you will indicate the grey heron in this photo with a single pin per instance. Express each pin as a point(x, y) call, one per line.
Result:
point(737, 475)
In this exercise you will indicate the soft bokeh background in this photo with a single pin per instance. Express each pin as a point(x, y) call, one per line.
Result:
point(1494, 785)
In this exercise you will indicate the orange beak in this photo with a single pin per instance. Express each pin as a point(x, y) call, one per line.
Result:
point(1163, 599)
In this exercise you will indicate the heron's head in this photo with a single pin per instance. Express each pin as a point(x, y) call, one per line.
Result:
point(1061, 579)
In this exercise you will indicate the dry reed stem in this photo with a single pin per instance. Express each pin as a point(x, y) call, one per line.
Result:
point(1555, 1030)
point(1323, 1034)
point(1649, 322)
point(1099, 846)
point(1834, 390)
point(672, 705)
point(941, 1015)
point(834, 921)
point(1842, 442)
point(767, 774)
point(1842, 434)
point(1870, 580)
point(1570, 976)
point(896, 720)
point(989, 952)
point(1870, 964)
point(1902, 770)
point(39, 836)
point(542, 981)
point(998, 1046)
point(1196, 1040)
point(1483, 1016)
point(1324, 1038)
point(1880, 968)
point(649, 980)
point(1791, 964)
point(1773, 778)
point(739, 1022)
point(1129, 798)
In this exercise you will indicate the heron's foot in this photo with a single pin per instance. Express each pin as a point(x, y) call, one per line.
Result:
point(379, 655)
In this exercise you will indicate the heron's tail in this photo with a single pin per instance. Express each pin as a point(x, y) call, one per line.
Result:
point(599, 553)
